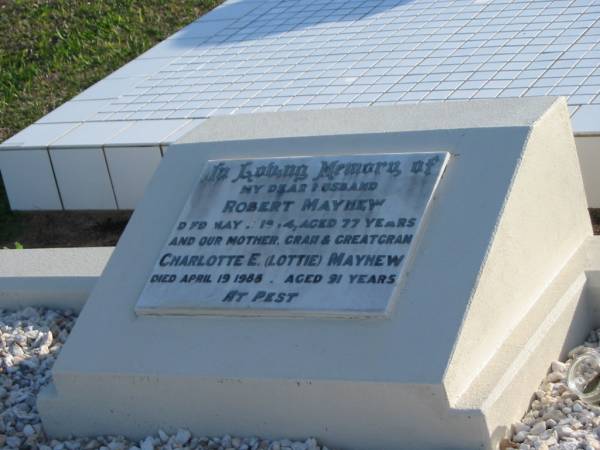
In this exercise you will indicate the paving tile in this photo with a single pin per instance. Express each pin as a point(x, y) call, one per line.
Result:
point(587, 119)
point(108, 88)
point(145, 132)
point(74, 111)
point(202, 29)
point(581, 99)
point(141, 67)
point(170, 48)
point(39, 135)
point(92, 134)
point(562, 90)
point(512, 92)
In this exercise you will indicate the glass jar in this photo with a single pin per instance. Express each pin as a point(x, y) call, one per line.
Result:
point(583, 377)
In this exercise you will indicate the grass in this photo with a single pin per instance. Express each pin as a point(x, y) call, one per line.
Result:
point(52, 50)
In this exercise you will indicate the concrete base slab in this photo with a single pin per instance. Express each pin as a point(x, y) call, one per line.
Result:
point(53, 278)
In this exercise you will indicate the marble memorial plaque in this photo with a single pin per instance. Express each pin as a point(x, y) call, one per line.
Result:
point(294, 236)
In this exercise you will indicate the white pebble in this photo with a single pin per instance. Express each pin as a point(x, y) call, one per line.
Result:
point(147, 444)
point(13, 441)
point(164, 437)
point(183, 436)
point(520, 436)
point(520, 426)
point(555, 377)
point(568, 446)
point(564, 431)
point(28, 430)
point(538, 428)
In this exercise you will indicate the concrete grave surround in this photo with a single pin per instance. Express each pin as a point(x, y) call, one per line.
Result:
point(501, 267)
point(249, 56)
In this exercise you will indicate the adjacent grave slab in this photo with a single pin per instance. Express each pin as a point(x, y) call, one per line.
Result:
point(499, 262)
point(250, 56)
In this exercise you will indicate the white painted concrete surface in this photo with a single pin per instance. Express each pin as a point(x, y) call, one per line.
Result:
point(131, 168)
point(404, 382)
point(53, 278)
point(83, 178)
point(543, 222)
point(29, 180)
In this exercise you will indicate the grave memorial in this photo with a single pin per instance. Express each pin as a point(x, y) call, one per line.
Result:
point(379, 278)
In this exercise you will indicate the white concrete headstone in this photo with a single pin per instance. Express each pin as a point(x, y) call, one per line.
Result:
point(493, 274)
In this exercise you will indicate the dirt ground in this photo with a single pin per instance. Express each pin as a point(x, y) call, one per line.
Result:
point(92, 229)
point(595, 216)
point(66, 229)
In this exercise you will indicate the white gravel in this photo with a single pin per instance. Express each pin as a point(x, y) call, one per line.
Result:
point(29, 342)
point(557, 419)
